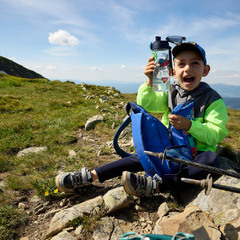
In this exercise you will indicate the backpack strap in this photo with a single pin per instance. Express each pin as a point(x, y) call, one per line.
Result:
point(120, 151)
point(181, 137)
point(130, 106)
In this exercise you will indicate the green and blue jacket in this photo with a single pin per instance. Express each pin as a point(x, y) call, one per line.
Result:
point(210, 112)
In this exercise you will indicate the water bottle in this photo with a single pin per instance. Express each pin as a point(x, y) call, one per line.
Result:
point(162, 56)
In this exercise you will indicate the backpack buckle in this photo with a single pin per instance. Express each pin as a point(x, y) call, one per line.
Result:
point(157, 178)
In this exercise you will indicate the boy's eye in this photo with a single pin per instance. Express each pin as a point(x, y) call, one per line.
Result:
point(181, 64)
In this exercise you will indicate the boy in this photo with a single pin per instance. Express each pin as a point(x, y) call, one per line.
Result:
point(208, 127)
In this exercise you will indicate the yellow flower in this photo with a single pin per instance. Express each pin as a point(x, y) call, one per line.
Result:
point(55, 191)
point(46, 193)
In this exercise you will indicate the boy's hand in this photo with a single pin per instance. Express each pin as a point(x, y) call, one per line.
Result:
point(149, 69)
point(179, 122)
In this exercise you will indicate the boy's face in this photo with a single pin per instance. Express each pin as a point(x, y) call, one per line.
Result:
point(189, 69)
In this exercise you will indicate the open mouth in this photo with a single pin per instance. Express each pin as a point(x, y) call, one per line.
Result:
point(188, 80)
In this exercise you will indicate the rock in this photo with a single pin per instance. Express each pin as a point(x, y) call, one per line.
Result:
point(116, 198)
point(31, 150)
point(104, 110)
point(119, 229)
point(42, 209)
point(24, 238)
point(72, 154)
point(64, 202)
point(35, 199)
point(117, 95)
point(192, 220)
point(51, 213)
point(109, 228)
point(62, 218)
point(223, 206)
point(103, 230)
point(21, 206)
point(113, 125)
point(38, 206)
point(64, 236)
point(104, 98)
point(78, 230)
point(2, 186)
point(163, 209)
point(91, 123)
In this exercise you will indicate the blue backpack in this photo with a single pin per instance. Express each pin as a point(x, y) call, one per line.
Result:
point(149, 134)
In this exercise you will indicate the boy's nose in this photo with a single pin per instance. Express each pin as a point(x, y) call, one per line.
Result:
point(187, 67)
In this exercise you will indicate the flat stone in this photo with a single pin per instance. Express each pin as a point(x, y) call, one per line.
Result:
point(116, 198)
point(64, 236)
point(91, 123)
point(62, 218)
point(31, 150)
point(192, 220)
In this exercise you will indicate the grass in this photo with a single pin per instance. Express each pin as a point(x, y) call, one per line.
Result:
point(39, 112)
point(10, 219)
point(233, 139)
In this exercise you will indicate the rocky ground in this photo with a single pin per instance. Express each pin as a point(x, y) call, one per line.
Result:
point(207, 217)
point(140, 215)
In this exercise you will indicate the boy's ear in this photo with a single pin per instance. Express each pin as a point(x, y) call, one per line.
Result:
point(174, 73)
point(206, 70)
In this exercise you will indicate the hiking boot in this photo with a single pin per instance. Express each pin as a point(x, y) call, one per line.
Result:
point(139, 186)
point(66, 182)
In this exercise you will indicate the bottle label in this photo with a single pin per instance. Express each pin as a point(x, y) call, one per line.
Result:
point(164, 80)
point(163, 62)
point(161, 79)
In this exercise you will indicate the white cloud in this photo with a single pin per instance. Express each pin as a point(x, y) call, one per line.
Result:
point(62, 38)
point(123, 66)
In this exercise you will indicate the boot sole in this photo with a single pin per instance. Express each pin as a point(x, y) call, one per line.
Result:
point(125, 185)
point(60, 186)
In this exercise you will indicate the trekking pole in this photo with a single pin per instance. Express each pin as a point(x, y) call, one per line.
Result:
point(207, 184)
point(194, 164)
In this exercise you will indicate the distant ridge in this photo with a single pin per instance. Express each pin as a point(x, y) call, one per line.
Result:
point(226, 90)
point(10, 67)
point(229, 93)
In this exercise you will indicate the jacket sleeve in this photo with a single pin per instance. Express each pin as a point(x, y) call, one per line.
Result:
point(155, 102)
point(213, 128)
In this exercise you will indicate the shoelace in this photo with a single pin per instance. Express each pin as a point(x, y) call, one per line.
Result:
point(141, 182)
point(77, 179)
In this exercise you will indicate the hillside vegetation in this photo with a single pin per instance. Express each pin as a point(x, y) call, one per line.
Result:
point(39, 112)
point(12, 68)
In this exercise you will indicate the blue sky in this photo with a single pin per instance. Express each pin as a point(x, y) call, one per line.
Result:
point(108, 41)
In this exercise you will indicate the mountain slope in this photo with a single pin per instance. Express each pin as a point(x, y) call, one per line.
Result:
point(15, 69)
